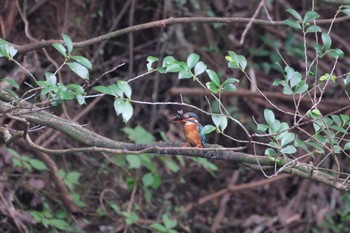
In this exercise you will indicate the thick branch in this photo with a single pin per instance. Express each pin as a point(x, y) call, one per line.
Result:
point(83, 135)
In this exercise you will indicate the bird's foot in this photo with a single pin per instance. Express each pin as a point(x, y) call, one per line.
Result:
point(186, 145)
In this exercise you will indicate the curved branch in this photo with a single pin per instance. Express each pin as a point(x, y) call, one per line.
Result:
point(162, 23)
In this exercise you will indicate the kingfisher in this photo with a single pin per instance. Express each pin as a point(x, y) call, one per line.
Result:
point(192, 129)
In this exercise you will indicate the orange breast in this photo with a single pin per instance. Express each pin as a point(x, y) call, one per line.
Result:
point(192, 135)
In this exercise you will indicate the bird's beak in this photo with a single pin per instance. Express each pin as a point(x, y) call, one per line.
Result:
point(178, 118)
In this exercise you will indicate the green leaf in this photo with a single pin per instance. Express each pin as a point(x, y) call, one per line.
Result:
point(156, 181)
point(269, 117)
point(168, 60)
point(327, 41)
point(310, 15)
point(81, 99)
point(79, 69)
point(51, 78)
point(77, 200)
point(37, 164)
point(68, 41)
point(199, 68)
point(123, 107)
point(124, 86)
point(208, 129)
point(168, 223)
point(60, 48)
point(134, 161)
point(318, 49)
point(346, 11)
point(173, 68)
point(160, 228)
point(73, 177)
point(261, 127)
point(192, 60)
point(11, 82)
point(213, 77)
point(150, 61)
point(139, 135)
point(289, 150)
point(83, 60)
point(147, 179)
point(212, 87)
point(347, 79)
point(131, 218)
point(301, 87)
point(287, 138)
point(242, 61)
point(229, 87)
point(292, 23)
point(337, 119)
point(172, 165)
point(60, 224)
point(184, 74)
point(230, 80)
point(313, 28)
point(105, 90)
point(345, 118)
point(294, 13)
point(220, 122)
point(347, 146)
point(336, 53)
point(270, 152)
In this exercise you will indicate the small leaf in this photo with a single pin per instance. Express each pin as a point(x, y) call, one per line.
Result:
point(128, 111)
point(242, 61)
point(347, 146)
point(336, 53)
point(327, 41)
point(199, 68)
point(269, 117)
point(37, 164)
point(292, 23)
point(346, 11)
point(11, 82)
point(51, 78)
point(168, 60)
point(313, 28)
point(261, 127)
point(347, 79)
point(79, 69)
point(301, 87)
point(184, 74)
point(229, 87)
point(150, 61)
point(287, 138)
point(213, 77)
point(134, 161)
point(60, 48)
point(168, 223)
point(192, 60)
point(68, 41)
point(158, 227)
point(105, 90)
point(208, 129)
point(147, 179)
point(173, 68)
point(289, 150)
point(81, 99)
point(231, 80)
point(125, 88)
point(270, 152)
point(294, 13)
point(318, 49)
point(83, 60)
point(310, 15)
point(212, 87)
